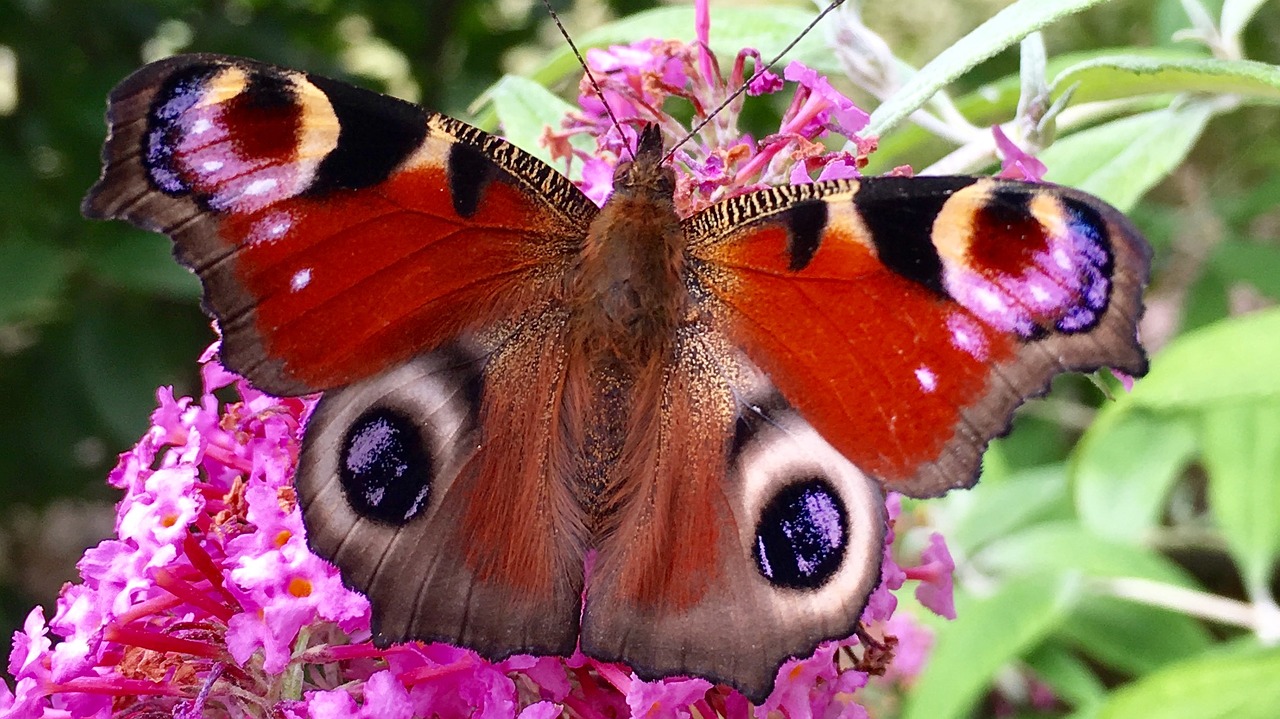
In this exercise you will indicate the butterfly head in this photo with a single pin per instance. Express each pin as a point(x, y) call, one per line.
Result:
point(645, 172)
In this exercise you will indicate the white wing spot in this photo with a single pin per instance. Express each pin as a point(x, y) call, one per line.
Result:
point(1063, 259)
point(301, 279)
point(211, 165)
point(927, 379)
point(201, 126)
point(989, 300)
point(261, 187)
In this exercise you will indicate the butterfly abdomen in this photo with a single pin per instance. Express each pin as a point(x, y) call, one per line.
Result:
point(629, 297)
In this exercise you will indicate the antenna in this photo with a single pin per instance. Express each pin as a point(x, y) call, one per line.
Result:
point(743, 87)
point(599, 92)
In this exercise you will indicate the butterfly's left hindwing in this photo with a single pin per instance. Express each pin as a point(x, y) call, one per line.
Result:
point(906, 318)
point(337, 231)
point(353, 242)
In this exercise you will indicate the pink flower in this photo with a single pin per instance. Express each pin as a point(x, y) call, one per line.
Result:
point(934, 575)
point(912, 649)
point(764, 83)
point(158, 516)
point(384, 698)
point(637, 80)
point(881, 604)
point(29, 644)
point(285, 585)
point(541, 710)
point(1126, 379)
point(665, 698)
point(823, 108)
point(1016, 163)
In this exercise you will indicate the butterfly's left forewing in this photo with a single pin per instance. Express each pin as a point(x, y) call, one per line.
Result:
point(337, 231)
point(906, 318)
point(407, 265)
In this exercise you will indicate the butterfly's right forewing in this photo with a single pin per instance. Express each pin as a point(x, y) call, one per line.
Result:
point(906, 318)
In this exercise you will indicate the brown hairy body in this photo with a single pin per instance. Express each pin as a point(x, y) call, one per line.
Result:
point(628, 297)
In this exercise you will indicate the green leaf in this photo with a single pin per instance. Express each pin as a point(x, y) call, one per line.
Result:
point(1207, 300)
point(1242, 456)
point(1230, 361)
point(1220, 685)
point(525, 109)
point(32, 276)
point(999, 32)
point(124, 349)
point(1123, 469)
point(1122, 76)
point(992, 510)
point(1251, 262)
point(1069, 547)
point(1133, 638)
point(995, 102)
point(989, 633)
point(1070, 678)
point(1119, 161)
point(140, 261)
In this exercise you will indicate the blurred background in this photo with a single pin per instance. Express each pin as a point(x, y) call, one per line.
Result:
point(95, 316)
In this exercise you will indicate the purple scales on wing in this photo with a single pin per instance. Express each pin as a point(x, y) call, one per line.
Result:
point(1025, 264)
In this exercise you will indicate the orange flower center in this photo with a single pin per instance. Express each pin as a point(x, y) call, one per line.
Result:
point(300, 587)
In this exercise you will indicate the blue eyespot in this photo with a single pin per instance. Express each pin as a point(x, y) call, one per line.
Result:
point(385, 468)
point(801, 535)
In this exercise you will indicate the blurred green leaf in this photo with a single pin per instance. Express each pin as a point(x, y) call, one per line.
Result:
point(1133, 638)
point(1250, 262)
point(1208, 299)
point(993, 510)
point(1123, 76)
point(1069, 677)
point(989, 633)
point(50, 439)
point(123, 349)
point(999, 32)
point(1120, 160)
point(1234, 360)
point(1220, 685)
point(1242, 455)
point(1068, 547)
point(997, 102)
point(142, 262)
point(31, 278)
point(1123, 469)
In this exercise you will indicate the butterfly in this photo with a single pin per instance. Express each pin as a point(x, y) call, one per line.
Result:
point(711, 408)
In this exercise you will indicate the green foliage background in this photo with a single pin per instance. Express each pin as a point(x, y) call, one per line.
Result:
point(1177, 484)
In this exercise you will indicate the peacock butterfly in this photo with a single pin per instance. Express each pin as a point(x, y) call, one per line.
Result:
point(514, 377)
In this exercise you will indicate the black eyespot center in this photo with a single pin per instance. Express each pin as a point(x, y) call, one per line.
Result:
point(385, 467)
point(801, 535)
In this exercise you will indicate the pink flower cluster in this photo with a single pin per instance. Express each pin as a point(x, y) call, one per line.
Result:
point(719, 161)
point(209, 603)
